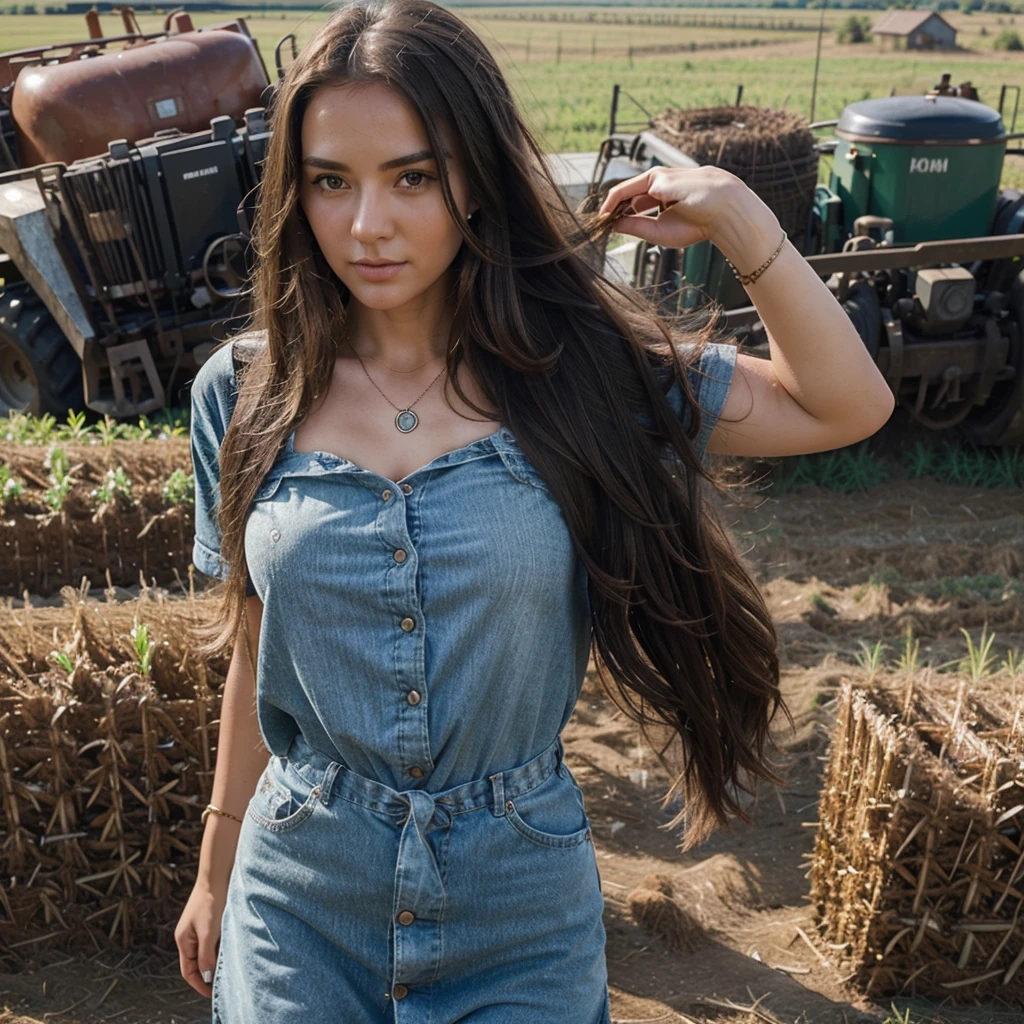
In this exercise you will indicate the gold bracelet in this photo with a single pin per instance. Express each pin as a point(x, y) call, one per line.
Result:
point(210, 809)
point(746, 279)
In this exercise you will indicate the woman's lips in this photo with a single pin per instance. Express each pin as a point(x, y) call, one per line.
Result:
point(381, 273)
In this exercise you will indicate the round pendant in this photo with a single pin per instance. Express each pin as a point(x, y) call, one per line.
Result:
point(406, 420)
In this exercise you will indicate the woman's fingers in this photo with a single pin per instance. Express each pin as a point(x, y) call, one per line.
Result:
point(194, 958)
point(637, 186)
point(673, 233)
point(207, 956)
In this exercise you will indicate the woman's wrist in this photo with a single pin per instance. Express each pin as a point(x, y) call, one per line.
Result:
point(747, 232)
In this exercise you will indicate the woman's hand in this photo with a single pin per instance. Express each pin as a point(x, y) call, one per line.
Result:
point(196, 936)
point(692, 201)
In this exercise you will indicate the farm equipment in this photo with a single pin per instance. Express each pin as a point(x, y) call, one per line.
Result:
point(121, 259)
point(123, 164)
point(912, 234)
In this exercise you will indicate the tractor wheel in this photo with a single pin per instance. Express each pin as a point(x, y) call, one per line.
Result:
point(39, 370)
point(1000, 421)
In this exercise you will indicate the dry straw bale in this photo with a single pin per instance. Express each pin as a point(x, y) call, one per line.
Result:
point(103, 772)
point(771, 150)
point(918, 866)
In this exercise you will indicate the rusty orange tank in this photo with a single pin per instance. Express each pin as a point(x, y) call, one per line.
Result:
point(66, 111)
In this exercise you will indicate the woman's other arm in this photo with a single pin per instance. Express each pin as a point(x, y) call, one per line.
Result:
point(241, 758)
point(821, 389)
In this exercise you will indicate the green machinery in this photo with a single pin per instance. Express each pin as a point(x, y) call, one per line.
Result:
point(914, 237)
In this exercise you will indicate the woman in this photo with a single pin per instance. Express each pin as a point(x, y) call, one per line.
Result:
point(416, 574)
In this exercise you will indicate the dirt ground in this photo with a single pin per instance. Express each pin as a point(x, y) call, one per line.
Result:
point(836, 569)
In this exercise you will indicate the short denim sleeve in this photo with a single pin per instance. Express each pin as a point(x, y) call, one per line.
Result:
point(213, 395)
point(709, 379)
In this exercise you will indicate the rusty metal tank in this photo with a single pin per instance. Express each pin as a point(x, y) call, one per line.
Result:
point(66, 111)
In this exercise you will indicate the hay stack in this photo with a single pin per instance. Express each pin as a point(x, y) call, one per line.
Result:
point(771, 150)
point(104, 771)
point(918, 867)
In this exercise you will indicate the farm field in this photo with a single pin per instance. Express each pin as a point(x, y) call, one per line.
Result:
point(909, 543)
point(842, 572)
point(567, 101)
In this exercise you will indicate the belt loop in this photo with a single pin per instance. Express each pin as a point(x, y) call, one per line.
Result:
point(327, 786)
point(498, 782)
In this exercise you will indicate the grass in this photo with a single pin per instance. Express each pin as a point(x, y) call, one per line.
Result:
point(856, 468)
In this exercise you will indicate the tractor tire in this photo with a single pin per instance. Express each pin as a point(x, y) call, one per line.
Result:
point(1000, 421)
point(39, 370)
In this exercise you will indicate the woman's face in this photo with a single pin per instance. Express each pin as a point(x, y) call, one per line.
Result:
point(364, 199)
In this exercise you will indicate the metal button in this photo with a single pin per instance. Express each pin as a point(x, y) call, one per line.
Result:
point(406, 488)
point(401, 992)
point(400, 555)
point(509, 805)
point(275, 534)
point(406, 917)
point(408, 624)
point(416, 771)
point(413, 697)
point(386, 493)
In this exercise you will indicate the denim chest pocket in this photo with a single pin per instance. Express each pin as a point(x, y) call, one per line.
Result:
point(550, 814)
point(284, 798)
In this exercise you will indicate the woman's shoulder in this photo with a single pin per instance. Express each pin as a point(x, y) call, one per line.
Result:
point(215, 385)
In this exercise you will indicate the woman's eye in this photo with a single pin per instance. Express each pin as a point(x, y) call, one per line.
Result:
point(327, 177)
point(424, 178)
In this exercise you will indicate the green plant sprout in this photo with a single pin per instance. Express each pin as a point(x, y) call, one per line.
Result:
point(63, 660)
point(10, 487)
point(1013, 662)
point(143, 645)
point(978, 662)
point(60, 478)
point(116, 483)
point(870, 658)
point(75, 429)
point(179, 488)
point(109, 430)
point(909, 655)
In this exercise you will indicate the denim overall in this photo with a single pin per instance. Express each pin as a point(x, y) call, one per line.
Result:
point(416, 849)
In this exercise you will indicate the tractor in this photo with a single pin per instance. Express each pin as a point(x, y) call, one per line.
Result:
point(912, 234)
point(124, 159)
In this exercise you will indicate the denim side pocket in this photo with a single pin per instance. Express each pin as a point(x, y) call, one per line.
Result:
point(284, 798)
point(550, 814)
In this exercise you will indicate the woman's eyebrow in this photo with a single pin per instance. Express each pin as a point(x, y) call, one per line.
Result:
point(334, 165)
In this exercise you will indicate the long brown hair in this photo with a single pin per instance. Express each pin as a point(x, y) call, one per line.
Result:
point(569, 358)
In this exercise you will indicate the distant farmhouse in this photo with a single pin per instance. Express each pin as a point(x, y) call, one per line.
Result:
point(915, 30)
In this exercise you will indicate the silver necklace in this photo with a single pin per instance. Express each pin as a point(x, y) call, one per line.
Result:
point(405, 420)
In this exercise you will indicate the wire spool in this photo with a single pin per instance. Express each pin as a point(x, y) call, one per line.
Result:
point(770, 150)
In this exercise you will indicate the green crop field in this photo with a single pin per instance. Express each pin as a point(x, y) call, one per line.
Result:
point(561, 62)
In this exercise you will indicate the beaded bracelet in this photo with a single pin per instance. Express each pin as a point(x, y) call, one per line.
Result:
point(210, 809)
point(746, 279)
